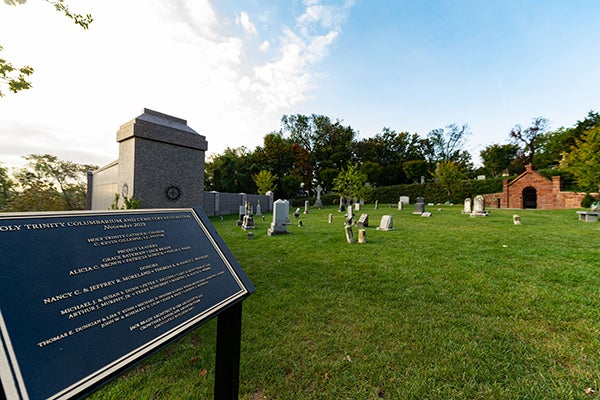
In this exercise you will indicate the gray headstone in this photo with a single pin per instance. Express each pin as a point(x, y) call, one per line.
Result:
point(248, 221)
point(318, 202)
point(363, 221)
point(258, 213)
point(419, 208)
point(241, 213)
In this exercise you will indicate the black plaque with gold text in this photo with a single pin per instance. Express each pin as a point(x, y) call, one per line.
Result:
point(84, 295)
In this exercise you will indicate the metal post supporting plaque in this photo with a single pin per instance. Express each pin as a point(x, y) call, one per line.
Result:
point(229, 337)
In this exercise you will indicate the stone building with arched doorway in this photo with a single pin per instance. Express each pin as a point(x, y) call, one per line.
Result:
point(530, 190)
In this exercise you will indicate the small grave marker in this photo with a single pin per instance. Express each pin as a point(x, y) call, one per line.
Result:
point(362, 236)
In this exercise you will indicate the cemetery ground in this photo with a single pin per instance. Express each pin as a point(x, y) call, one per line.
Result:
point(446, 307)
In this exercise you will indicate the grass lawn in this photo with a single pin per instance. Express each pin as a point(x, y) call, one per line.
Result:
point(446, 307)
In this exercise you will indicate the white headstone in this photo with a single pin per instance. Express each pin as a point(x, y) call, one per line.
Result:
point(479, 206)
point(306, 207)
point(386, 223)
point(281, 209)
point(467, 208)
point(405, 199)
point(349, 234)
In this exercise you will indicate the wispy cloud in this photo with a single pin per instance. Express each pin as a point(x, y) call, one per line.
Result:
point(287, 79)
point(244, 21)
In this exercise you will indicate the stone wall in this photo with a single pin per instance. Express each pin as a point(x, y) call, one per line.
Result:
point(217, 203)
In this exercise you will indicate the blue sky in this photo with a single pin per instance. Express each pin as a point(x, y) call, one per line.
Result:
point(232, 68)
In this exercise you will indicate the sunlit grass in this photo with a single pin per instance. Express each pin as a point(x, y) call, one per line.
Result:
point(446, 307)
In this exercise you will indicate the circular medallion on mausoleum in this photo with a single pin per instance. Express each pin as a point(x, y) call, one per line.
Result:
point(173, 193)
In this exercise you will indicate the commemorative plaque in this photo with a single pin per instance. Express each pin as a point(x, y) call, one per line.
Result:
point(84, 295)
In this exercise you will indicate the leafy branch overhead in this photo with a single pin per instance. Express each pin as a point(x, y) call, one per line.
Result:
point(16, 77)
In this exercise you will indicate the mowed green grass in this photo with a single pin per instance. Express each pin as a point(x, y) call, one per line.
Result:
point(446, 307)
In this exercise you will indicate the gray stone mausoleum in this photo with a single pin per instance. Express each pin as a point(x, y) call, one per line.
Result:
point(161, 162)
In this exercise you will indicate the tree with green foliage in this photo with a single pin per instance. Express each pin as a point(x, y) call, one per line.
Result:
point(129, 203)
point(265, 182)
point(529, 139)
point(231, 171)
point(391, 149)
point(552, 145)
point(449, 176)
point(35, 195)
point(350, 183)
point(583, 161)
point(373, 170)
point(415, 169)
point(6, 187)
point(448, 144)
point(497, 158)
point(275, 155)
point(318, 144)
point(50, 183)
point(16, 77)
point(290, 186)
